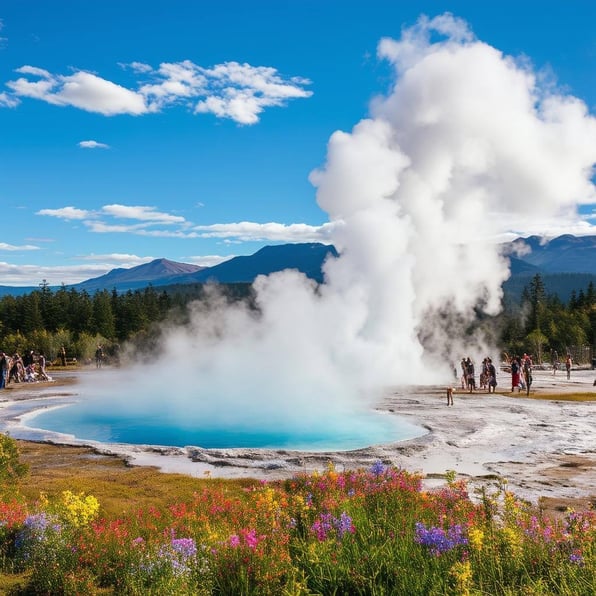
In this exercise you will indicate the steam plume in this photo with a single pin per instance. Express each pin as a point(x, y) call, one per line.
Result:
point(467, 144)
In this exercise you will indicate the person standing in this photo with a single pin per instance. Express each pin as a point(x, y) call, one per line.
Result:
point(555, 362)
point(492, 376)
point(28, 358)
point(568, 366)
point(3, 370)
point(41, 361)
point(63, 356)
point(99, 356)
point(515, 373)
point(471, 379)
point(527, 369)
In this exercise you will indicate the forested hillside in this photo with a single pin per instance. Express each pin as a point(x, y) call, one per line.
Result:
point(45, 319)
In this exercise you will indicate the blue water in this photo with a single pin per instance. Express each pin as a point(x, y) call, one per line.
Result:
point(343, 433)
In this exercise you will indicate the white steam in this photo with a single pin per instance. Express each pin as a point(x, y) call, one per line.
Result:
point(467, 145)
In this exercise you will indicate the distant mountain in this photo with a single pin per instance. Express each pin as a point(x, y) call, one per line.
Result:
point(521, 267)
point(307, 258)
point(17, 290)
point(157, 272)
point(565, 263)
point(564, 254)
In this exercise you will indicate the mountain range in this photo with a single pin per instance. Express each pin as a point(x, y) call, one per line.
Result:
point(566, 263)
point(306, 257)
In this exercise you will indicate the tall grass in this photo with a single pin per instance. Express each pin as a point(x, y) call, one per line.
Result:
point(373, 531)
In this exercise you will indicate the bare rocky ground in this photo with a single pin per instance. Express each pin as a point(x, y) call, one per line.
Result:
point(544, 445)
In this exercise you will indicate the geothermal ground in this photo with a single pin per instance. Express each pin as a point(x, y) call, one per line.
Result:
point(544, 446)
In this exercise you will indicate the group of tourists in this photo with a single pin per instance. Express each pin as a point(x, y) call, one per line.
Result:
point(521, 373)
point(556, 363)
point(29, 368)
point(487, 379)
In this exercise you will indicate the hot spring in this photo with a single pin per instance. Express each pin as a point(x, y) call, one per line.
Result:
point(126, 416)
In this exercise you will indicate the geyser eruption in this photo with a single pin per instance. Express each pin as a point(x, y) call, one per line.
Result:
point(468, 144)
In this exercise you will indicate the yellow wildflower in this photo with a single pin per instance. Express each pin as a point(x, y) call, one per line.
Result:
point(512, 540)
point(476, 538)
point(79, 509)
point(461, 574)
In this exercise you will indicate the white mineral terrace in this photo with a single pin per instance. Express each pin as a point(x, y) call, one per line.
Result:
point(542, 447)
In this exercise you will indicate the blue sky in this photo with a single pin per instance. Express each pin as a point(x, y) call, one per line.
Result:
point(188, 130)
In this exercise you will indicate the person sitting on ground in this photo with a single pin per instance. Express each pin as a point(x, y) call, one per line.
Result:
point(30, 374)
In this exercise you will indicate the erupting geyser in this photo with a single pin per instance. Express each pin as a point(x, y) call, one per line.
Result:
point(468, 145)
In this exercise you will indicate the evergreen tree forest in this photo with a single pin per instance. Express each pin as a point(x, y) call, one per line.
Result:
point(46, 319)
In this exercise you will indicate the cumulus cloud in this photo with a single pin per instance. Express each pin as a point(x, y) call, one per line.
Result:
point(239, 92)
point(93, 145)
point(82, 90)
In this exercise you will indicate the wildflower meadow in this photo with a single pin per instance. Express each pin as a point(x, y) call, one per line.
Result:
point(368, 531)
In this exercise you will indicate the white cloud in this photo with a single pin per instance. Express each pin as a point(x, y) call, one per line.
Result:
point(12, 248)
point(66, 213)
point(241, 91)
point(8, 101)
point(32, 275)
point(139, 67)
point(82, 90)
point(142, 213)
point(148, 221)
point(208, 260)
point(101, 227)
point(250, 231)
point(93, 145)
point(141, 229)
point(231, 90)
point(117, 259)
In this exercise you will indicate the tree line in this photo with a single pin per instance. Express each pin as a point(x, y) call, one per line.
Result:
point(46, 319)
point(542, 324)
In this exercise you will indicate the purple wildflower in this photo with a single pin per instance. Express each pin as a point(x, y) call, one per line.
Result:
point(322, 526)
point(185, 547)
point(179, 554)
point(327, 522)
point(378, 468)
point(38, 523)
point(576, 558)
point(437, 540)
point(344, 525)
